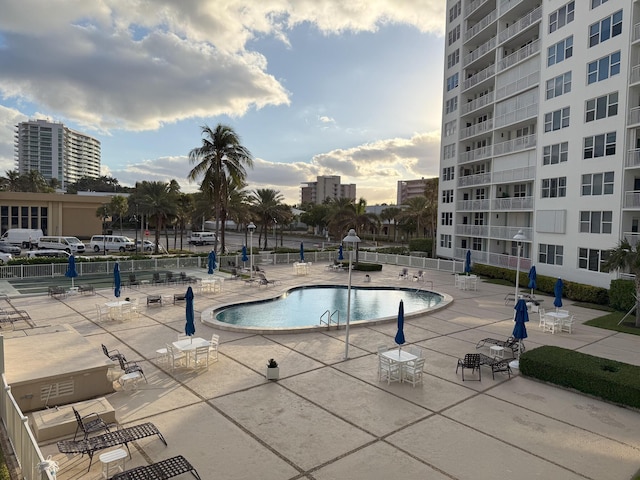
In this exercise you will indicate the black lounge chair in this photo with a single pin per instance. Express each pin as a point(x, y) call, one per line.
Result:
point(470, 361)
point(262, 280)
point(156, 278)
point(510, 343)
point(86, 289)
point(89, 423)
point(496, 364)
point(131, 367)
point(169, 468)
point(113, 355)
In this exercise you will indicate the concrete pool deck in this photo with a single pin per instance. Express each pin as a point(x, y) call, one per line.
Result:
point(327, 418)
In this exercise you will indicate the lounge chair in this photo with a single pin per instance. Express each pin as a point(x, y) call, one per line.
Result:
point(113, 355)
point(404, 274)
point(156, 278)
point(470, 361)
point(130, 367)
point(169, 468)
point(133, 280)
point(89, 423)
point(262, 280)
point(510, 343)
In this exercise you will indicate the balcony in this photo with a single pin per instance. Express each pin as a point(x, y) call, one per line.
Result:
point(514, 175)
point(518, 115)
point(480, 51)
point(520, 85)
point(473, 180)
point(509, 261)
point(511, 204)
point(473, 6)
point(518, 56)
point(476, 103)
point(634, 116)
point(632, 237)
point(522, 24)
point(515, 145)
point(635, 36)
point(472, 230)
point(473, 205)
point(479, 77)
point(507, 232)
point(477, 154)
point(506, 5)
point(476, 129)
point(633, 158)
point(478, 27)
point(632, 199)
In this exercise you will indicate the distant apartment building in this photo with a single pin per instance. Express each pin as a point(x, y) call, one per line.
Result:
point(408, 189)
point(326, 186)
point(56, 151)
point(540, 133)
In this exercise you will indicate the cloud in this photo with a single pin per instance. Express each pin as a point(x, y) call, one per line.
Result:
point(109, 64)
point(9, 118)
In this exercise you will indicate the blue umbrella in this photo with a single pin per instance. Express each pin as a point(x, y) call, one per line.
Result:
point(467, 262)
point(71, 269)
point(212, 262)
point(190, 327)
point(519, 329)
point(533, 278)
point(244, 253)
point(400, 335)
point(116, 279)
point(301, 251)
point(340, 256)
point(557, 291)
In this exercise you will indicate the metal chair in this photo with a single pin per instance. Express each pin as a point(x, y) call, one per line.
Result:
point(130, 367)
point(470, 361)
point(112, 354)
point(89, 423)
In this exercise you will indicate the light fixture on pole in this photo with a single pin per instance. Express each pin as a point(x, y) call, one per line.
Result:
point(251, 228)
point(353, 239)
point(518, 237)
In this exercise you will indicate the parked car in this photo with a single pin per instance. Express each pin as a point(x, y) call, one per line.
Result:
point(5, 257)
point(149, 246)
point(8, 248)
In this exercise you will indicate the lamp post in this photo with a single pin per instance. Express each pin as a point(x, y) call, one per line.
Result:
point(104, 229)
point(251, 228)
point(275, 239)
point(135, 217)
point(351, 238)
point(518, 237)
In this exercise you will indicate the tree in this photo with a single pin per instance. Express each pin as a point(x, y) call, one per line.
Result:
point(414, 217)
point(184, 209)
point(119, 206)
point(391, 215)
point(220, 162)
point(267, 205)
point(627, 256)
point(315, 216)
point(431, 193)
point(157, 201)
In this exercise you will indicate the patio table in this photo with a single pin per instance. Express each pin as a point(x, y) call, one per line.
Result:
point(401, 357)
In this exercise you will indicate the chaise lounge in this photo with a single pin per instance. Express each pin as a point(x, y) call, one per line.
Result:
point(169, 468)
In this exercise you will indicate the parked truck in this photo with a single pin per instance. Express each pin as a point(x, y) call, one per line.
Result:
point(22, 237)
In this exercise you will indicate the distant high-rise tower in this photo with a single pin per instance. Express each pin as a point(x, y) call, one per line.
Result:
point(56, 151)
point(327, 186)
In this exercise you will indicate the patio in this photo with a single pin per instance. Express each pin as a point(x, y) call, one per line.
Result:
point(328, 418)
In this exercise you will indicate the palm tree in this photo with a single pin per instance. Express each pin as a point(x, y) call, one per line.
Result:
point(157, 202)
point(431, 193)
point(220, 162)
point(267, 206)
point(627, 256)
point(184, 209)
point(415, 215)
point(391, 215)
point(119, 206)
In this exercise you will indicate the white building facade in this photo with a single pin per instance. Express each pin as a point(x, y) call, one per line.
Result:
point(56, 151)
point(326, 187)
point(541, 133)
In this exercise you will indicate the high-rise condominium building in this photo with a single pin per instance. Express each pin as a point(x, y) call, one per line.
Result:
point(56, 151)
point(326, 186)
point(541, 133)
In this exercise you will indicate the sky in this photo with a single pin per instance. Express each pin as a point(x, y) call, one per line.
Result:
point(311, 87)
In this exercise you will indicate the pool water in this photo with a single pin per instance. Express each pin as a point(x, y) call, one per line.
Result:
point(303, 306)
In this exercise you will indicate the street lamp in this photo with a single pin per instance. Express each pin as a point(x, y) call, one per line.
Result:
point(135, 217)
point(275, 239)
point(518, 237)
point(251, 228)
point(104, 229)
point(351, 238)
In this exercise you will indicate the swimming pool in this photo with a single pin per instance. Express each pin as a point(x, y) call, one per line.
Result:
point(304, 306)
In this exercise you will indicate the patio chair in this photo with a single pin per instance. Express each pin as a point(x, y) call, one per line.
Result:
point(113, 355)
point(213, 346)
point(567, 324)
point(388, 370)
point(234, 274)
point(404, 274)
point(102, 312)
point(90, 423)
point(175, 357)
point(133, 280)
point(418, 277)
point(184, 278)
point(542, 312)
point(130, 367)
point(156, 278)
point(169, 278)
point(470, 361)
point(413, 371)
point(510, 343)
point(263, 280)
point(162, 355)
point(201, 357)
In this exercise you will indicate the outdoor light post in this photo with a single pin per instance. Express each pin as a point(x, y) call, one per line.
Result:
point(135, 217)
point(351, 238)
point(104, 229)
point(518, 237)
point(251, 228)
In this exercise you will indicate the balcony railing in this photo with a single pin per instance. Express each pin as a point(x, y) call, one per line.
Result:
point(633, 158)
point(477, 154)
point(473, 230)
point(473, 6)
point(632, 199)
point(509, 261)
point(518, 115)
point(515, 145)
point(526, 21)
point(472, 180)
point(634, 116)
point(519, 85)
point(477, 103)
point(481, 25)
point(480, 51)
point(516, 203)
point(634, 76)
point(506, 5)
point(521, 54)
point(636, 33)
point(514, 175)
point(507, 233)
point(632, 237)
point(481, 76)
point(476, 129)
point(473, 205)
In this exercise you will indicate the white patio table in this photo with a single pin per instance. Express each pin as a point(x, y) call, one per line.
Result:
point(401, 357)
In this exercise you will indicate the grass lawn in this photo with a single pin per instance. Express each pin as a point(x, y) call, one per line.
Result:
point(611, 321)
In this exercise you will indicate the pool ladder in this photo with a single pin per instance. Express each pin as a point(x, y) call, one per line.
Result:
point(327, 318)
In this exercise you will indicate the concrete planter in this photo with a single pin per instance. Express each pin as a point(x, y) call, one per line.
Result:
point(273, 373)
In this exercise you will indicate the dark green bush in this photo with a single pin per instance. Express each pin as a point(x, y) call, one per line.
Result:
point(621, 295)
point(421, 245)
point(607, 379)
point(365, 267)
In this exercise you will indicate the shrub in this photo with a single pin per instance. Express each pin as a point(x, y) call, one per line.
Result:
point(365, 267)
point(621, 295)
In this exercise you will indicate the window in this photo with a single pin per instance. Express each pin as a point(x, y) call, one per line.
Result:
point(550, 254)
point(452, 82)
point(594, 260)
point(560, 51)
point(455, 11)
point(561, 17)
point(603, 68)
point(554, 187)
point(453, 58)
point(601, 107)
point(556, 120)
point(448, 172)
point(476, 244)
point(597, 183)
point(478, 218)
point(480, 194)
point(554, 154)
point(454, 35)
point(605, 29)
point(447, 218)
point(449, 151)
point(445, 241)
point(559, 85)
point(597, 3)
point(451, 105)
point(447, 196)
point(450, 128)
point(600, 145)
point(596, 222)
point(520, 190)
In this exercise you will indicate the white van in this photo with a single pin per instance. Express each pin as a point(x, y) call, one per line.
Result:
point(202, 238)
point(68, 244)
point(116, 243)
point(22, 236)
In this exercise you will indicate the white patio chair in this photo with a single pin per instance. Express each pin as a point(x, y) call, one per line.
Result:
point(389, 370)
point(200, 357)
point(102, 311)
point(567, 324)
point(542, 312)
point(551, 324)
point(416, 350)
point(183, 336)
point(162, 356)
point(413, 371)
point(175, 357)
point(213, 346)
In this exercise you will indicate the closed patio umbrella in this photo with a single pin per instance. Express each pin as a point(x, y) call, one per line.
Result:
point(533, 279)
point(211, 262)
point(116, 280)
point(190, 327)
point(557, 291)
point(244, 255)
point(71, 269)
point(400, 334)
point(302, 252)
point(340, 256)
point(520, 329)
point(467, 262)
